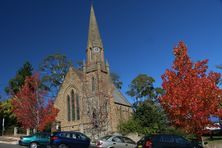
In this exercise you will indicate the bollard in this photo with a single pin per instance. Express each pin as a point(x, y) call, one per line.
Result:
point(15, 131)
point(27, 131)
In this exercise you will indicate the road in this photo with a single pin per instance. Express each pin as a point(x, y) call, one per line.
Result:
point(16, 146)
point(10, 146)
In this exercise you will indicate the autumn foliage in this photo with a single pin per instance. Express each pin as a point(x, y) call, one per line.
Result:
point(30, 107)
point(191, 94)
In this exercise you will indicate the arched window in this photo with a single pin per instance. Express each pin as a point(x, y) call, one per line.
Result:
point(93, 84)
point(77, 107)
point(73, 105)
point(68, 108)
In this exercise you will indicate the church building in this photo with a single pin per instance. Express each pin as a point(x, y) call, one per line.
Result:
point(88, 100)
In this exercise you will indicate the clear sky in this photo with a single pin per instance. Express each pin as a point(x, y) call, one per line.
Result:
point(138, 35)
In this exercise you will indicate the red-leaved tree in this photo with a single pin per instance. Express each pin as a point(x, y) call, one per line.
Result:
point(191, 94)
point(30, 107)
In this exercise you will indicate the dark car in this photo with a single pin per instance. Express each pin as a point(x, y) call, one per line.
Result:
point(35, 140)
point(69, 139)
point(197, 142)
point(166, 141)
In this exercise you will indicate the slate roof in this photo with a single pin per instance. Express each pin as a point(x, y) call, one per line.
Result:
point(119, 98)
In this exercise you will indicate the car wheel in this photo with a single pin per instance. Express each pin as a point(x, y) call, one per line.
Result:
point(33, 145)
point(63, 146)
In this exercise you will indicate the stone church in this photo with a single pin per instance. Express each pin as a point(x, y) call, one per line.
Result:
point(88, 99)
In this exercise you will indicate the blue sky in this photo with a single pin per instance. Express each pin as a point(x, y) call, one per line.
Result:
point(138, 35)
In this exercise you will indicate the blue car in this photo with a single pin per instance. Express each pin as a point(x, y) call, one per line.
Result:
point(69, 139)
point(35, 140)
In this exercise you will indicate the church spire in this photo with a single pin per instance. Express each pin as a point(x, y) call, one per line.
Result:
point(93, 35)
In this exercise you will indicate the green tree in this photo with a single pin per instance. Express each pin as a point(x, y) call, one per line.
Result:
point(142, 88)
point(116, 80)
point(53, 69)
point(15, 83)
point(130, 126)
point(148, 116)
point(6, 112)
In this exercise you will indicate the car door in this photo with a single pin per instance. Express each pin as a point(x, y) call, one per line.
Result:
point(182, 142)
point(82, 140)
point(117, 142)
point(38, 138)
point(129, 143)
point(74, 141)
point(44, 139)
point(66, 138)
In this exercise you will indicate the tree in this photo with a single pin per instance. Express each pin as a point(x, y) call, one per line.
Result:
point(97, 111)
point(16, 83)
point(30, 107)
point(148, 118)
point(116, 80)
point(142, 87)
point(53, 69)
point(6, 112)
point(191, 94)
point(97, 107)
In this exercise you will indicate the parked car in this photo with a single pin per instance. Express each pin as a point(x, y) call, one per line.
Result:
point(166, 141)
point(35, 140)
point(197, 142)
point(69, 139)
point(116, 141)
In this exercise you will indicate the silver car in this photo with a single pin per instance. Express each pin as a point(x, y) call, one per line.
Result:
point(114, 141)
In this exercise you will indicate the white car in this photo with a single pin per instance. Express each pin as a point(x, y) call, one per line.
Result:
point(116, 141)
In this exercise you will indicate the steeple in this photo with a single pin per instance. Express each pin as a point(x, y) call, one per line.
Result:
point(94, 52)
point(93, 35)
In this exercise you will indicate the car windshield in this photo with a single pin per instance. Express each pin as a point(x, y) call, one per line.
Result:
point(105, 138)
point(128, 140)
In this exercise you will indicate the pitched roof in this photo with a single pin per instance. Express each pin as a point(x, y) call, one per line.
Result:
point(119, 98)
